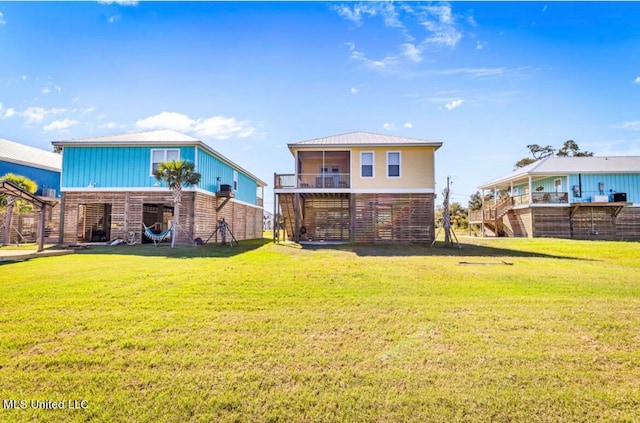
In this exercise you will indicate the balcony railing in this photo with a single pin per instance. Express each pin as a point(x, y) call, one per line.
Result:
point(313, 180)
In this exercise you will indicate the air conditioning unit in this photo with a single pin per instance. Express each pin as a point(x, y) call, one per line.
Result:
point(600, 199)
point(225, 188)
point(620, 196)
point(49, 192)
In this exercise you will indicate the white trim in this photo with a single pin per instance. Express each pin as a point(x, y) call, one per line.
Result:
point(357, 191)
point(399, 164)
point(154, 189)
point(236, 184)
point(121, 189)
point(394, 191)
point(373, 164)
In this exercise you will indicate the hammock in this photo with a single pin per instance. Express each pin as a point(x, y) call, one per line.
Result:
point(156, 238)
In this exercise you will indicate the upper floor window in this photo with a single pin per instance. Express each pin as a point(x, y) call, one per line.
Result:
point(163, 155)
point(393, 164)
point(366, 164)
point(235, 180)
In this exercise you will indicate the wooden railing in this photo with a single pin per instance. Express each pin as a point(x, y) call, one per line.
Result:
point(313, 180)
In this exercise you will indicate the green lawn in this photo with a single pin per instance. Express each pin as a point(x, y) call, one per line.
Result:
point(501, 330)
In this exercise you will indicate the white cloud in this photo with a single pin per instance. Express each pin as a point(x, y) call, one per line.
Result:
point(114, 18)
point(354, 13)
point(24, 77)
point(637, 80)
point(453, 104)
point(111, 125)
point(471, 21)
point(544, 9)
point(632, 125)
point(119, 2)
point(60, 125)
point(218, 127)
point(89, 110)
point(480, 45)
point(8, 113)
point(411, 52)
point(474, 71)
point(2, 21)
point(408, 125)
point(38, 114)
point(370, 63)
point(47, 90)
point(389, 126)
point(439, 21)
point(354, 90)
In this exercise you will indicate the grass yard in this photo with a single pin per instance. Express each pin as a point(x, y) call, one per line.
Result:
point(502, 330)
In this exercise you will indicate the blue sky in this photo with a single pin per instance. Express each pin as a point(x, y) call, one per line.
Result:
point(485, 79)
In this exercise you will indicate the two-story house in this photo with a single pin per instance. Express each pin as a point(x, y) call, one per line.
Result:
point(564, 197)
point(108, 189)
point(359, 187)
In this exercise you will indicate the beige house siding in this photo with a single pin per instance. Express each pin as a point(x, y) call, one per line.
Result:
point(416, 169)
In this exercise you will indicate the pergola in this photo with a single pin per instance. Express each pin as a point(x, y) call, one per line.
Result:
point(9, 188)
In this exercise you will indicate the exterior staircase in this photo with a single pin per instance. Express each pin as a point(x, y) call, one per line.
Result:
point(287, 208)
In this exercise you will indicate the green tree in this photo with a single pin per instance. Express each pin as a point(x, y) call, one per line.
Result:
point(10, 203)
point(475, 201)
point(570, 149)
point(457, 213)
point(176, 174)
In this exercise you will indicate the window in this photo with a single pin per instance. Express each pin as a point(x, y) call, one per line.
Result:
point(393, 164)
point(366, 164)
point(159, 156)
point(235, 180)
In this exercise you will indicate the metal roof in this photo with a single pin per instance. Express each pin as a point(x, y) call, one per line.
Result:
point(359, 139)
point(160, 137)
point(14, 152)
point(572, 165)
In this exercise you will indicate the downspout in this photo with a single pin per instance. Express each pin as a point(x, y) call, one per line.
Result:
point(530, 191)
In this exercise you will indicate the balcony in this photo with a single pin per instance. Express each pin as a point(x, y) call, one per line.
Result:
point(313, 181)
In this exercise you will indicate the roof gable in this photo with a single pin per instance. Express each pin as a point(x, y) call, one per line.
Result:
point(161, 136)
point(360, 138)
point(572, 165)
point(14, 152)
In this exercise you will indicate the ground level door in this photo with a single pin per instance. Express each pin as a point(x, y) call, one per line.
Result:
point(94, 222)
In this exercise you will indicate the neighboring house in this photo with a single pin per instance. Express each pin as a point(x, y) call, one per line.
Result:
point(565, 197)
point(39, 165)
point(42, 167)
point(359, 187)
point(108, 190)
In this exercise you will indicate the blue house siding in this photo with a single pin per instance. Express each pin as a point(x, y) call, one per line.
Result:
point(212, 168)
point(112, 167)
point(44, 178)
point(613, 183)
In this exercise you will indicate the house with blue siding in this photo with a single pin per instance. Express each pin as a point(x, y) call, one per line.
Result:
point(43, 167)
point(565, 197)
point(39, 165)
point(108, 189)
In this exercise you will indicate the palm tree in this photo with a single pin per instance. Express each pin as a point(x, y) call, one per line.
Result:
point(176, 174)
